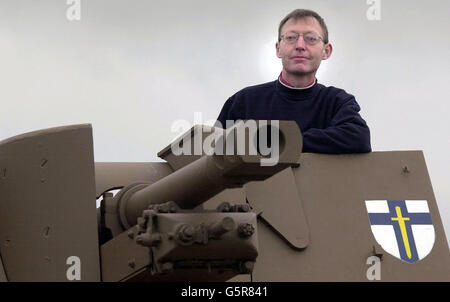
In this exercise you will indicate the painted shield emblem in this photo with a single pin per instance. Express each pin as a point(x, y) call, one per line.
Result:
point(403, 228)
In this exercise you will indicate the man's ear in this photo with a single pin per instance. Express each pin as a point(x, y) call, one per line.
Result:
point(277, 47)
point(328, 49)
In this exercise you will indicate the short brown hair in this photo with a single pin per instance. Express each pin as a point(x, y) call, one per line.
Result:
point(301, 14)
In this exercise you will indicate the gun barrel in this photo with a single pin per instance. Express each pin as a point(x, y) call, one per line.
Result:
point(202, 179)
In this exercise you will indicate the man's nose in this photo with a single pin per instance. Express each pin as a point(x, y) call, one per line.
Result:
point(300, 43)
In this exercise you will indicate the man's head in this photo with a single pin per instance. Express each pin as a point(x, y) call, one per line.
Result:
point(302, 56)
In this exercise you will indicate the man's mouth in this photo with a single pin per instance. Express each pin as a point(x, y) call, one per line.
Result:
point(299, 58)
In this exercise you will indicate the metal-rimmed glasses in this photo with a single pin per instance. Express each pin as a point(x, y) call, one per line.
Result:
point(309, 38)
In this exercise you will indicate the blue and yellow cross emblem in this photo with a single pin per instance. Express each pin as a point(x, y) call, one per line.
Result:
point(401, 221)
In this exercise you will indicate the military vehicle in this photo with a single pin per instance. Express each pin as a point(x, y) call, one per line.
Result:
point(215, 216)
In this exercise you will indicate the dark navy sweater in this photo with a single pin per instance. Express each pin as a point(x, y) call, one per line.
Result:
point(327, 116)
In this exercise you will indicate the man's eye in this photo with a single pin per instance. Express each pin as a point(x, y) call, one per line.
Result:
point(291, 38)
point(311, 38)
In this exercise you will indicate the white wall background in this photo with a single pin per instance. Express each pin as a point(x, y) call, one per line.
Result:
point(131, 68)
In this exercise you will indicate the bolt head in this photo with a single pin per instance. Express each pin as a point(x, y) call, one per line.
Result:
point(246, 230)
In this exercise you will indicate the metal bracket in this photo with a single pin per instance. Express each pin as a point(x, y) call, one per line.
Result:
point(278, 203)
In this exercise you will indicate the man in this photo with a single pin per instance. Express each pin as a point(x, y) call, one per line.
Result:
point(327, 116)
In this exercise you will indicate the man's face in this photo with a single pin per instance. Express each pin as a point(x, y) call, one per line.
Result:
point(300, 58)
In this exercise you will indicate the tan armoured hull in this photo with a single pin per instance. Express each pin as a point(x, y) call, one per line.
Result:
point(305, 219)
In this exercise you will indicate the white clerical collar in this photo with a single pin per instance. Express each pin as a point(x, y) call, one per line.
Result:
point(297, 88)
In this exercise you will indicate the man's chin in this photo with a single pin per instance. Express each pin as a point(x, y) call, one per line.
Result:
point(300, 72)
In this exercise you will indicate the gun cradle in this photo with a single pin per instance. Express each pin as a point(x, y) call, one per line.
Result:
point(184, 245)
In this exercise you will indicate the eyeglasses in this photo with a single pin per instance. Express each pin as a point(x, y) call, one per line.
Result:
point(309, 38)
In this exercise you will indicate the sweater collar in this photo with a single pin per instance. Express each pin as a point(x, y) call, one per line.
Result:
point(297, 94)
point(289, 85)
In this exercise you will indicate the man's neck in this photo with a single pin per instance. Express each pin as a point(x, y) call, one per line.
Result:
point(297, 81)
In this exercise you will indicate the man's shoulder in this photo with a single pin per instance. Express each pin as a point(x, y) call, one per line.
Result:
point(336, 92)
point(339, 98)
